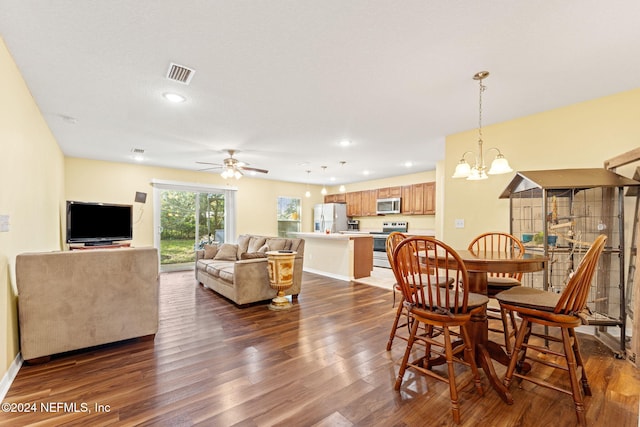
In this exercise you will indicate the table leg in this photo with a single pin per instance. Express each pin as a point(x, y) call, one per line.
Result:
point(486, 350)
point(484, 360)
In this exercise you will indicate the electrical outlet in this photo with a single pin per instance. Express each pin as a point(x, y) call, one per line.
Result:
point(459, 223)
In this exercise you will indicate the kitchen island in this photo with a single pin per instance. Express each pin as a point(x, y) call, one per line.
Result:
point(343, 256)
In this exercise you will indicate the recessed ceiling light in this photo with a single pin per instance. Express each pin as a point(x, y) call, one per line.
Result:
point(174, 97)
point(408, 164)
point(365, 172)
point(345, 142)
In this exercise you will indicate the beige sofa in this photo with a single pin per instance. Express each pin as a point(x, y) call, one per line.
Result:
point(83, 298)
point(239, 271)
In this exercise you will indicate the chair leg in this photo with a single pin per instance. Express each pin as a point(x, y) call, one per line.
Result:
point(453, 390)
point(505, 330)
point(573, 376)
point(427, 347)
point(470, 357)
point(522, 331)
point(394, 328)
point(583, 377)
point(514, 325)
point(407, 353)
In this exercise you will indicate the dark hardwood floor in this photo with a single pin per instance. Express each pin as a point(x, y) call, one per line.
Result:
point(323, 363)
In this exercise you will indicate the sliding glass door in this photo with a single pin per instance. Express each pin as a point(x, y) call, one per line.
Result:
point(210, 225)
point(188, 217)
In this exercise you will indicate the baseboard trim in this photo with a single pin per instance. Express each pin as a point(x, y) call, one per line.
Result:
point(8, 378)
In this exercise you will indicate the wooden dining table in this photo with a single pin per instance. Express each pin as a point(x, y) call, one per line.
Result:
point(479, 264)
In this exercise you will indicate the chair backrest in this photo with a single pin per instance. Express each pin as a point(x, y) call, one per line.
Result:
point(574, 297)
point(497, 241)
point(393, 239)
point(430, 292)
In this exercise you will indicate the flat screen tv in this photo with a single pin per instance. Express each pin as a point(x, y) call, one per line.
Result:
point(98, 223)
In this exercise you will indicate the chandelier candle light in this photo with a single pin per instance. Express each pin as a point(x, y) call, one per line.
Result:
point(499, 165)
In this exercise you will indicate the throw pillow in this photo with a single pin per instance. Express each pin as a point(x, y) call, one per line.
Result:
point(264, 248)
point(227, 252)
point(276, 244)
point(210, 251)
point(253, 255)
point(255, 243)
point(243, 244)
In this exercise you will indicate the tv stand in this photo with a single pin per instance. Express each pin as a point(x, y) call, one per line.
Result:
point(110, 245)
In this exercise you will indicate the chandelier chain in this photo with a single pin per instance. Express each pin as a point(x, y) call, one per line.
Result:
point(482, 88)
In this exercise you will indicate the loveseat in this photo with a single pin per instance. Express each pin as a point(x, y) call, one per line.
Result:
point(77, 299)
point(239, 271)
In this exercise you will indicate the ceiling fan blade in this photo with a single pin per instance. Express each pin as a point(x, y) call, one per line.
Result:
point(253, 169)
point(207, 163)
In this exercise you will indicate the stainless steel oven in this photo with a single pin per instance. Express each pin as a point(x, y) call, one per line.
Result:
point(380, 242)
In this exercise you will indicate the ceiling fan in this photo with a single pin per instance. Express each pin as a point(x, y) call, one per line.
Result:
point(232, 167)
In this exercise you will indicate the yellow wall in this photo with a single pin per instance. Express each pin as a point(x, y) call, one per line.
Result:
point(31, 173)
point(578, 136)
point(108, 182)
point(98, 181)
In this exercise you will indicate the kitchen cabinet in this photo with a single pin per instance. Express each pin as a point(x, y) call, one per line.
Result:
point(429, 198)
point(389, 192)
point(406, 203)
point(354, 203)
point(419, 199)
point(369, 198)
point(335, 198)
point(424, 199)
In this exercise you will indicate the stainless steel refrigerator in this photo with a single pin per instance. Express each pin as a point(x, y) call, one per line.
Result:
point(330, 216)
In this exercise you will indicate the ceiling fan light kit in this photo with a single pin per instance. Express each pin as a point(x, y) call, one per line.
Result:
point(232, 167)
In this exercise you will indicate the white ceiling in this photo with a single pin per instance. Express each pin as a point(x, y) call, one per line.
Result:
point(284, 81)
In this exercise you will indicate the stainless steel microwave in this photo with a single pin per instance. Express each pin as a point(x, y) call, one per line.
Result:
point(388, 206)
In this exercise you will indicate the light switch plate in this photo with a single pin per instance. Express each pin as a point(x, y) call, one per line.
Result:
point(4, 223)
point(459, 223)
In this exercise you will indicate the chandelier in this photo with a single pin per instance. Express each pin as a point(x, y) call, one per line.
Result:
point(479, 171)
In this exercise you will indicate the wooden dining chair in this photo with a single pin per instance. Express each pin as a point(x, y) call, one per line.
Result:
point(430, 301)
point(392, 242)
point(393, 239)
point(497, 282)
point(563, 311)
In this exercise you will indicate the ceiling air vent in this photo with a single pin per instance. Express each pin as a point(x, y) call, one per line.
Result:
point(180, 73)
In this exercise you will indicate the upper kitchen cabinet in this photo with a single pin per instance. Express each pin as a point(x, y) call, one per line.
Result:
point(419, 199)
point(406, 202)
point(369, 198)
point(354, 203)
point(335, 198)
point(389, 192)
point(416, 199)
